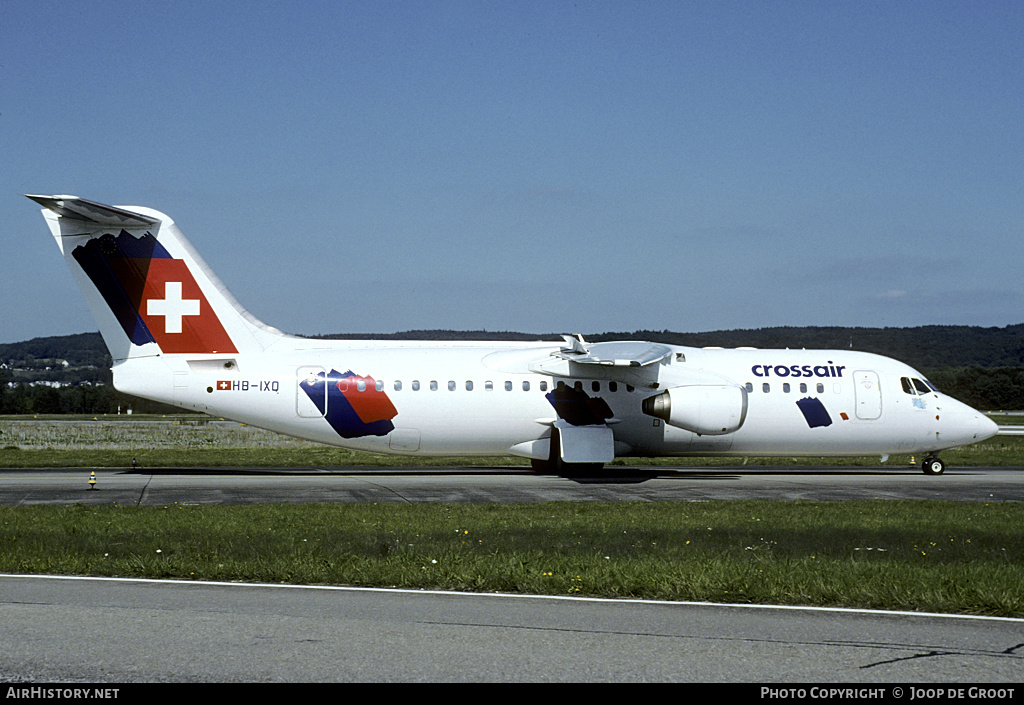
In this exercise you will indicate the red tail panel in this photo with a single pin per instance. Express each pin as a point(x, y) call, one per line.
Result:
point(177, 314)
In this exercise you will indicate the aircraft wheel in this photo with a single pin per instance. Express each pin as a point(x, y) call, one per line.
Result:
point(933, 466)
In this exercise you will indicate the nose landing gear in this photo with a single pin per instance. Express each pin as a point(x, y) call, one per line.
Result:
point(933, 466)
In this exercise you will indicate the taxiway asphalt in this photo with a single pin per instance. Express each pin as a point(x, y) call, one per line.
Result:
point(166, 486)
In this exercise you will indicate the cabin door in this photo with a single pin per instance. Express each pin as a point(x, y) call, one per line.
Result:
point(868, 394)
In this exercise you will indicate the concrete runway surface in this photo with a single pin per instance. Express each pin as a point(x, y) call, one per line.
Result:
point(107, 630)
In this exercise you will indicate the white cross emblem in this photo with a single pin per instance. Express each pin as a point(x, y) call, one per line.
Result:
point(172, 307)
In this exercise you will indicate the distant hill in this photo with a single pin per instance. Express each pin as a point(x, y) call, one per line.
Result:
point(925, 347)
point(79, 350)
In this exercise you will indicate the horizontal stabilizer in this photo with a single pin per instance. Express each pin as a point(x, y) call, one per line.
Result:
point(74, 208)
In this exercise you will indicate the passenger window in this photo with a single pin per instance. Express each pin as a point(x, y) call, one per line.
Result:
point(469, 385)
point(451, 385)
point(613, 386)
point(415, 385)
point(433, 385)
point(785, 387)
point(380, 385)
point(488, 386)
point(765, 387)
point(526, 386)
point(803, 387)
point(398, 385)
point(821, 388)
point(544, 385)
point(361, 385)
point(596, 386)
point(508, 386)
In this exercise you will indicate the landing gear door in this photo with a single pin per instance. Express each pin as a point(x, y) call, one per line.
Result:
point(310, 392)
point(585, 444)
point(868, 394)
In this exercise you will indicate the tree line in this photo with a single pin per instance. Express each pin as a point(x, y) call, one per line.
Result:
point(25, 398)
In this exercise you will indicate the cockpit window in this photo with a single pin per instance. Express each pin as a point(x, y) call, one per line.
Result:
point(917, 386)
point(921, 387)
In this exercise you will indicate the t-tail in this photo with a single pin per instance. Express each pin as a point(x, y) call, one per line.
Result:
point(148, 289)
point(160, 309)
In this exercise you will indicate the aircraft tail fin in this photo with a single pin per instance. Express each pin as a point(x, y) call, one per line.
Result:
point(148, 289)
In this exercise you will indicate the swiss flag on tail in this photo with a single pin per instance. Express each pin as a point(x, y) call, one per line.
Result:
point(177, 314)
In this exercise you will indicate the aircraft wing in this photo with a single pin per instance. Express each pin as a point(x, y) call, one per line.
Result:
point(614, 354)
point(637, 360)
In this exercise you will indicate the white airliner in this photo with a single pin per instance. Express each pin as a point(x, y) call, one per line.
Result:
point(178, 336)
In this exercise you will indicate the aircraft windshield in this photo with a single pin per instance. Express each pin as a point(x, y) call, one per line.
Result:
point(913, 385)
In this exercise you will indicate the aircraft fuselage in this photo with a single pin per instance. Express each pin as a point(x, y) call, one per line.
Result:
point(418, 398)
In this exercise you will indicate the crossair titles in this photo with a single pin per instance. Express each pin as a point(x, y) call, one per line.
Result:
point(829, 370)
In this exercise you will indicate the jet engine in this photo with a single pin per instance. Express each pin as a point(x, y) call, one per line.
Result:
point(707, 410)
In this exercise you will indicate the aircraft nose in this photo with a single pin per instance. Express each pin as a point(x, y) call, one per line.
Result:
point(968, 425)
point(988, 427)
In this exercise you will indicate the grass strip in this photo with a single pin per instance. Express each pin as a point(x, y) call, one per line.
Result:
point(951, 557)
point(199, 441)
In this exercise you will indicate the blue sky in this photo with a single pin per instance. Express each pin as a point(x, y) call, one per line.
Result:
point(532, 166)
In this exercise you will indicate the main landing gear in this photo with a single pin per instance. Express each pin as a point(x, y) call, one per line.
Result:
point(933, 466)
